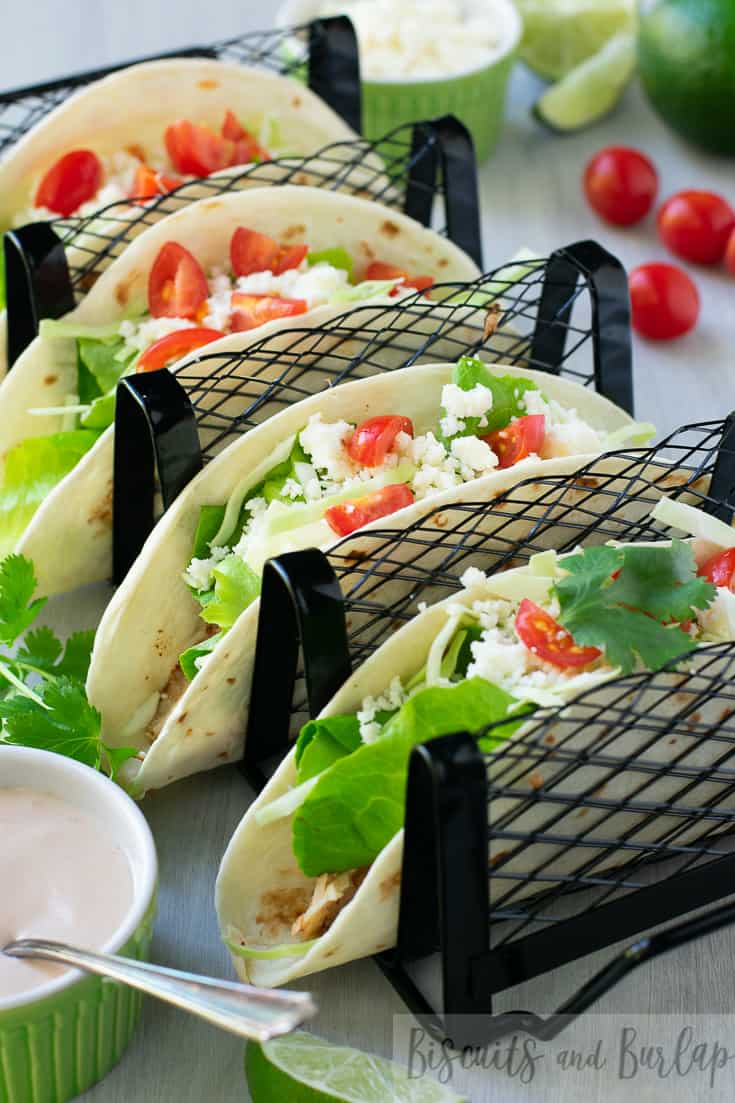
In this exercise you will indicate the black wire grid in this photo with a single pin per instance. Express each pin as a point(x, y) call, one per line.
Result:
point(567, 314)
point(323, 53)
point(607, 817)
point(426, 170)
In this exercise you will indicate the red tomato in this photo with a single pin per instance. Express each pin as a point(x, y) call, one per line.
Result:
point(696, 225)
point(349, 516)
point(195, 150)
point(664, 300)
point(242, 148)
point(253, 252)
point(548, 640)
point(177, 286)
point(71, 181)
point(730, 254)
point(175, 345)
point(518, 440)
point(372, 441)
point(251, 311)
point(621, 185)
point(149, 183)
point(377, 270)
point(720, 569)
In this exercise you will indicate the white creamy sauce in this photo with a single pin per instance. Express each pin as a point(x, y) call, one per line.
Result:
point(63, 877)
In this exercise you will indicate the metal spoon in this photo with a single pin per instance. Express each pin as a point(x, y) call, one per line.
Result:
point(256, 1013)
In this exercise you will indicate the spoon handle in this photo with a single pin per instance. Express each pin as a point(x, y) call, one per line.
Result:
point(255, 1013)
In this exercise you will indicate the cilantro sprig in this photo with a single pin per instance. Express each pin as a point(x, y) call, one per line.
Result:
point(631, 602)
point(43, 703)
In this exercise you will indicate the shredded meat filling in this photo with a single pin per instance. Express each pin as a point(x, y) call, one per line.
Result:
point(332, 892)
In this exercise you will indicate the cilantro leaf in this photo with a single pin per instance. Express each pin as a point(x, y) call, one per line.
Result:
point(662, 582)
point(42, 650)
point(17, 610)
point(64, 723)
point(625, 616)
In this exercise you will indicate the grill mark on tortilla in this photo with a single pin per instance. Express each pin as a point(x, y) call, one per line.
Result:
point(136, 150)
point(294, 231)
point(208, 84)
point(123, 289)
point(49, 379)
point(102, 512)
point(389, 885)
point(296, 101)
point(390, 229)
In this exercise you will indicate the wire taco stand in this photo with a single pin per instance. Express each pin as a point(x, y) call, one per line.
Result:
point(556, 307)
point(606, 818)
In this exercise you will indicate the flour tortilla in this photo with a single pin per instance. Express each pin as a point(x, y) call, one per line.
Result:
point(153, 617)
point(80, 506)
point(260, 888)
point(134, 106)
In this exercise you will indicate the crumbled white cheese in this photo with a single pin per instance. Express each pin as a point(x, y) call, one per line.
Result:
point(325, 442)
point(292, 489)
point(474, 455)
point(390, 701)
point(421, 38)
point(473, 576)
point(199, 572)
point(140, 335)
point(459, 405)
point(316, 283)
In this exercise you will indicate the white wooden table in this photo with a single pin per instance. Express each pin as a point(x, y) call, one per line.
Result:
point(531, 196)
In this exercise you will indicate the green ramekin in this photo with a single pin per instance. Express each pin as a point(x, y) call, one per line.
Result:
point(477, 96)
point(60, 1039)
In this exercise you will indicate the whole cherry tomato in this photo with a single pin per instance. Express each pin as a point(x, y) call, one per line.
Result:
point(621, 185)
point(730, 254)
point(546, 638)
point(696, 226)
point(664, 300)
point(373, 439)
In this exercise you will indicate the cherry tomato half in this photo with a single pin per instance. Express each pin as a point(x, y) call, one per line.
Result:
point(730, 254)
point(377, 270)
point(542, 635)
point(253, 252)
point(518, 440)
point(175, 345)
point(72, 180)
point(241, 147)
point(195, 150)
point(696, 225)
point(720, 569)
point(177, 286)
point(349, 516)
point(148, 183)
point(251, 311)
point(373, 439)
point(664, 301)
point(620, 185)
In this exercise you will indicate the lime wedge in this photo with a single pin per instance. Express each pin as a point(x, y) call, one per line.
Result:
point(303, 1069)
point(592, 89)
point(558, 35)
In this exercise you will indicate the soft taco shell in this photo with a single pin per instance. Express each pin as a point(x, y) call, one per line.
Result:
point(153, 617)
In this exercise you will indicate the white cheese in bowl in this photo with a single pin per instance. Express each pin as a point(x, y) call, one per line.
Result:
point(422, 39)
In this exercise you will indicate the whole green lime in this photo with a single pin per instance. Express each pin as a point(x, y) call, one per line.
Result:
point(686, 53)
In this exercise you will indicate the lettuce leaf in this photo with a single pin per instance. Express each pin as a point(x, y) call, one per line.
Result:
point(321, 743)
point(235, 587)
point(338, 258)
point(507, 392)
point(187, 659)
point(357, 806)
point(33, 468)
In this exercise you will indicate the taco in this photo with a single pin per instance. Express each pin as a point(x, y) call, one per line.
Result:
point(376, 452)
point(217, 274)
point(311, 877)
point(149, 128)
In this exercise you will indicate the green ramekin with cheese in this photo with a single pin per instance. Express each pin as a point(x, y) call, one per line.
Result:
point(421, 60)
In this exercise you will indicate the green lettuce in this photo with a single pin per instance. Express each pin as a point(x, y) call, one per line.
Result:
point(187, 659)
point(338, 258)
point(368, 289)
point(32, 469)
point(235, 587)
point(321, 743)
point(507, 392)
point(357, 805)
